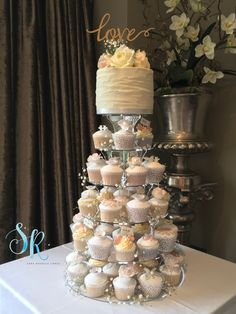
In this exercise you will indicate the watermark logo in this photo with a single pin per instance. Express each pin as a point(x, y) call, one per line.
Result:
point(30, 242)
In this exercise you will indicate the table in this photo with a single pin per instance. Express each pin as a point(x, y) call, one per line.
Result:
point(35, 286)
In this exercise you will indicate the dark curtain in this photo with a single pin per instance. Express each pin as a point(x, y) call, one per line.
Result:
point(47, 113)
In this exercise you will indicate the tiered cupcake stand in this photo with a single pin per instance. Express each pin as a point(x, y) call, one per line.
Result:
point(144, 279)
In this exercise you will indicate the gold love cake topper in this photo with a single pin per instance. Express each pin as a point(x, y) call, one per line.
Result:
point(126, 34)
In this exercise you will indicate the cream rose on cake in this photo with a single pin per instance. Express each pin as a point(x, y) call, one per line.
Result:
point(123, 57)
point(141, 60)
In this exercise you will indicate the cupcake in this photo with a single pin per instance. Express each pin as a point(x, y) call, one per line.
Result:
point(144, 136)
point(174, 258)
point(150, 264)
point(155, 170)
point(77, 271)
point(138, 209)
point(74, 257)
point(172, 274)
point(103, 138)
point(125, 248)
point(123, 200)
point(140, 229)
point(106, 193)
point(105, 229)
point(124, 288)
point(160, 194)
point(100, 247)
point(88, 206)
point(110, 211)
point(124, 139)
point(136, 173)
point(151, 284)
point(77, 218)
point(166, 234)
point(94, 263)
point(94, 165)
point(158, 207)
point(111, 269)
point(95, 284)
point(80, 236)
point(90, 192)
point(130, 270)
point(112, 172)
point(147, 248)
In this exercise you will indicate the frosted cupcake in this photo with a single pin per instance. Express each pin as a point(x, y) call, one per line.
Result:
point(111, 269)
point(124, 288)
point(144, 136)
point(166, 234)
point(77, 218)
point(90, 192)
point(136, 173)
point(95, 284)
point(112, 172)
point(140, 229)
point(138, 209)
point(106, 193)
point(104, 228)
point(77, 271)
point(94, 263)
point(147, 248)
point(130, 270)
point(125, 248)
point(103, 138)
point(151, 284)
point(88, 206)
point(100, 247)
point(80, 236)
point(172, 274)
point(123, 200)
point(110, 211)
point(155, 170)
point(74, 257)
point(124, 139)
point(174, 258)
point(94, 165)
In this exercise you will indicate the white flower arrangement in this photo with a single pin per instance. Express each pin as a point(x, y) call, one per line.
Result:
point(186, 41)
point(123, 57)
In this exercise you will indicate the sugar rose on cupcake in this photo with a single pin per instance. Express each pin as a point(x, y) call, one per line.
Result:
point(141, 60)
point(123, 57)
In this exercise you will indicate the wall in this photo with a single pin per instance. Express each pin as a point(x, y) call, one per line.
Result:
point(215, 226)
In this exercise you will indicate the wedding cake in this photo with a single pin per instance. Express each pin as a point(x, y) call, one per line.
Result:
point(124, 83)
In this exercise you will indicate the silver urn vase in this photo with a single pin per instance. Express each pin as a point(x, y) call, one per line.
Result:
point(180, 133)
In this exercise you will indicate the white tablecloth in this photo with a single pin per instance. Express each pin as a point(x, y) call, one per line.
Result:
point(34, 286)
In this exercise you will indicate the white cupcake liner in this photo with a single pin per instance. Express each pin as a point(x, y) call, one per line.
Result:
point(86, 210)
point(99, 252)
point(80, 245)
point(150, 290)
point(136, 179)
point(94, 291)
point(110, 216)
point(124, 294)
point(111, 179)
point(125, 256)
point(94, 175)
point(123, 141)
point(138, 215)
point(166, 245)
point(154, 176)
point(145, 254)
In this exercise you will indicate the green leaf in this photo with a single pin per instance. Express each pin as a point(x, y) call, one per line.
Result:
point(179, 76)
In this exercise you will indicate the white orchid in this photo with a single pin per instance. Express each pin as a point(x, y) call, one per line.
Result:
point(197, 6)
point(228, 24)
point(231, 42)
point(183, 43)
point(179, 23)
point(171, 4)
point(171, 56)
point(211, 76)
point(192, 33)
point(207, 48)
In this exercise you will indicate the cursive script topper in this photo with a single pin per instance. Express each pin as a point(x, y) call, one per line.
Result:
point(126, 34)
